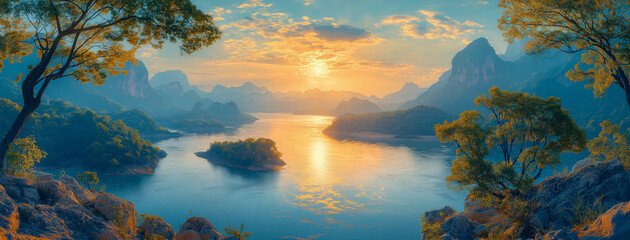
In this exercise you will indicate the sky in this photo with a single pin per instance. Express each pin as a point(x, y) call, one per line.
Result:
point(368, 46)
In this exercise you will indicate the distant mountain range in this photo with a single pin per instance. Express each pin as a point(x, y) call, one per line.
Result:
point(477, 68)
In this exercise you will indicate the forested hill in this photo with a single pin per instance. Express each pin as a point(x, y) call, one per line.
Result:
point(417, 121)
point(76, 137)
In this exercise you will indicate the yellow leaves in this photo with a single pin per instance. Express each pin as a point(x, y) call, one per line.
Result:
point(22, 156)
point(530, 133)
point(598, 29)
point(611, 143)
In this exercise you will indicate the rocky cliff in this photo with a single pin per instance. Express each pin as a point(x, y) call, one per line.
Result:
point(61, 209)
point(603, 188)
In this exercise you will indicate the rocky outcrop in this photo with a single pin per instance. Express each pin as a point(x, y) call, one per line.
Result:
point(613, 224)
point(156, 226)
point(199, 228)
point(49, 210)
point(62, 209)
point(603, 184)
point(607, 183)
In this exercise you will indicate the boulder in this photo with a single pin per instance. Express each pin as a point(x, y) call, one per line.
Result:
point(459, 227)
point(9, 216)
point(156, 226)
point(122, 213)
point(607, 182)
point(54, 192)
point(19, 189)
point(436, 216)
point(81, 194)
point(614, 224)
point(198, 228)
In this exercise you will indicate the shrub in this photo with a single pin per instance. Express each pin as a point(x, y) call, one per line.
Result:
point(610, 144)
point(89, 179)
point(239, 234)
point(22, 156)
point(431, 231)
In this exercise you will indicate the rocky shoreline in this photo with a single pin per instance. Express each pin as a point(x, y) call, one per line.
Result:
point(49, 208)
point(603, 186)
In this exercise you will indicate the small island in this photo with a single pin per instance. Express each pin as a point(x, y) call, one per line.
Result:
point(252, 154)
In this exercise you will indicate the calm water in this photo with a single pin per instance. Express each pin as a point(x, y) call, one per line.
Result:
point(330, 189)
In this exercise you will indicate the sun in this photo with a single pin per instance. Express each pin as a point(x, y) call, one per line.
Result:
point(318, 68)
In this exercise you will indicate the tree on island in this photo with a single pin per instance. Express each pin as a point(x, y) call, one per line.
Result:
point(600, 30)
point(90, 40)
point(530, 133)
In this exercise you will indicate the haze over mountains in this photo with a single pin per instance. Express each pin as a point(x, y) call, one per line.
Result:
point(477, 68)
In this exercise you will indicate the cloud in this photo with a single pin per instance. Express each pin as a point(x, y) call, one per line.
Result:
point(254, 3)
point(341, 33)
point(308, 2)
point(431, 25)
point(283, 40)
point(218, 13)
point(482, 3)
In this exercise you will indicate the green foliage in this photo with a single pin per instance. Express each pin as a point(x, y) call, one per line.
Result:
point(77, 137)
point(610, 144)
point(530, 133)
point(93, 39)
point(89, 179)
point(239, 234)
point(140, 121)
point(597, 29)
point(582, 214)
point(431, 231)
point(198, 125)
point(415, 121)
point(246, 152)
point(22, 156)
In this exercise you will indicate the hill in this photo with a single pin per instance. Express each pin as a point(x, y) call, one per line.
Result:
point(355, 106)
point(76, 137)
point(417, 121)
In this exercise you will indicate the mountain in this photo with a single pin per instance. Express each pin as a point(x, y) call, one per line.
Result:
point(417, 121)
point(477, 68)
point(178, 95)
point(171, 76)
point(355, 106)
point(474, 70)
point(408, 92)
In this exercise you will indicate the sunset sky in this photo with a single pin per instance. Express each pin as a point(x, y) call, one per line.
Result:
point(367, 46)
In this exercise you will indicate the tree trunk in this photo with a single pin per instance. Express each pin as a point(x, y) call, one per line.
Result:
point(14, 131)
point(622, 79)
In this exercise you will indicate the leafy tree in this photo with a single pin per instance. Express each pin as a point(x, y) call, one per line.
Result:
point(89, 179)
point(600, 30)
point(90, 40)
point(529, 132)
point(22, 156)
point(610, 144)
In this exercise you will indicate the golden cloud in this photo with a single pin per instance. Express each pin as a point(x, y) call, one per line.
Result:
point(431, 25)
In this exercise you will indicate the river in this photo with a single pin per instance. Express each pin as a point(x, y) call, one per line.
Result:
point(330, 189)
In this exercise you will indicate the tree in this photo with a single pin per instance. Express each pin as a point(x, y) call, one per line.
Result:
point(529, 132)
point(90, 40)
point(599, 29)
point(22, 156)
point(89, 179)
point(610, 144)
